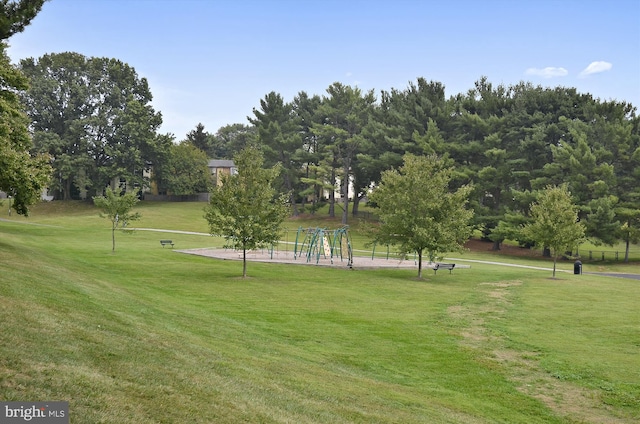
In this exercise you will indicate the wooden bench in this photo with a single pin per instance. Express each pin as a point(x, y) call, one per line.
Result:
point(166, 242)
point(439, 265)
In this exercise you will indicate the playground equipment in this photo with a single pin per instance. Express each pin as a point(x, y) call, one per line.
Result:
point(314, 243)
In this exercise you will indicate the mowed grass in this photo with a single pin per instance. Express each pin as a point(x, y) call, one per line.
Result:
point(150, 335)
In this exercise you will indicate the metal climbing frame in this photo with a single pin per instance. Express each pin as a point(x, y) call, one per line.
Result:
point(319, 242)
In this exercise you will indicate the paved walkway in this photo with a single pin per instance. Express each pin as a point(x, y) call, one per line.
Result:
point(616, 275)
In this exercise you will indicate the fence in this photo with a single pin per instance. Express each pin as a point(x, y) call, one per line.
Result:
point(603, 255)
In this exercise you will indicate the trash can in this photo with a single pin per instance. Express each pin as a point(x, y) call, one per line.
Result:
point(577, 267)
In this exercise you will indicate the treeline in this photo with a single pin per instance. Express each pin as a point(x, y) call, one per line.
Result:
point(94, 117)
point(507, 142)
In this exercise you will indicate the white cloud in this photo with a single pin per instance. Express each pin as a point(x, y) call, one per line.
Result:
point(595, 68)
point(548, 72)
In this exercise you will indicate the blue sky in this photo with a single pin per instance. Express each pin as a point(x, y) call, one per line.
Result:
point(211, 61)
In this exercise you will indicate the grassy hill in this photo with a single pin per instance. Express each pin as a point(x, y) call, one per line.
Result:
point(149, 335)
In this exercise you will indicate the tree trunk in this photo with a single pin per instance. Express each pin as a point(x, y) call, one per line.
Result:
point(113, 238)
point(356, 204)
point(626, 249)
point(292, 200)
point(67, 189)
point(345, 192)
point(244, 262)
point(303, 203)
point(419, 263)
point(345, 210)
point(496, 245)
point(292, 197)
point(332, 195)
point(555, 259)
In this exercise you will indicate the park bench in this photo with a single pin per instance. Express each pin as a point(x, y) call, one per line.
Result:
point(439, 265)
point(166, 242)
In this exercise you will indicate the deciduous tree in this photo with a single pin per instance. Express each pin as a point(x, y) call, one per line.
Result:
point(230, 139)
point(22, 176)
point(554, 222)
point(184, 170)
point(117, 209)
point(418, 211)
point(94, 117)
point(246, 209)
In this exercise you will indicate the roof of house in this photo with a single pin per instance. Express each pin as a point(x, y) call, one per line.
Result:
point(221, 163)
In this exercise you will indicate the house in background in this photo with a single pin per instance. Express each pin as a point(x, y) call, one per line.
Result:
point(220, 167)
point(217, 168)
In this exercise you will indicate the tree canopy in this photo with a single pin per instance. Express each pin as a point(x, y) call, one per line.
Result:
point(94, 117)
point(116, 207)
point(246, 209)
point(23, 175)
point(183, 170)
point(418, 210)
point(15, 15)
point(554, 222)
point(507, 141)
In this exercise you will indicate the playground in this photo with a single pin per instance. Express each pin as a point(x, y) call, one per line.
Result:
point(312, 246)
point(287, 256)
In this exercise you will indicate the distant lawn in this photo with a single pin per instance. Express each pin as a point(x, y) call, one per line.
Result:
point(149, 335)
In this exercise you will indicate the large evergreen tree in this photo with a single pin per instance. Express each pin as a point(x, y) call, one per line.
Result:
point(15, 15)
point(345, 112)
point(280, 140)
point(313, 176)
point(201, 139)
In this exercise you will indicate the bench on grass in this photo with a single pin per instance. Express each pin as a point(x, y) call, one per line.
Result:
point(439, 265)
point(166, 242)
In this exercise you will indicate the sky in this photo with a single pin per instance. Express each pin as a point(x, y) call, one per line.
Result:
point(212, 61)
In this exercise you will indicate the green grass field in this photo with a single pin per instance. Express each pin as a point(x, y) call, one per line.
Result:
point(149, 335)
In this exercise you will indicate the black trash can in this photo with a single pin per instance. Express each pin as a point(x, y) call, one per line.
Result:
point(577, 267)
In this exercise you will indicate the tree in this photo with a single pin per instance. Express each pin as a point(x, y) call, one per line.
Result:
point(230, 139)
point(117, 209)
point(418, 212)
point(313, 180)
point(246, 209)
point(22, 176)
point(630, 228)
point(200, 139)
point(16, 15)
point(94, 117)
point(555, 222)
point(279, 139)
point(345, 113)
point(184, 170)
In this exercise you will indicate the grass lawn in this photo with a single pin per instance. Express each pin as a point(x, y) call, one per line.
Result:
point(149, 335)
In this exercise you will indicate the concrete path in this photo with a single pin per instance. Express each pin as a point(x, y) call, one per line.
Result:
point(616, 275)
